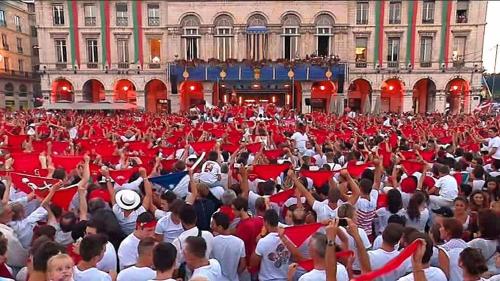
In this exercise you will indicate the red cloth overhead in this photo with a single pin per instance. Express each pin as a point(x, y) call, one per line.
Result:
point(26, 162)
point(59, 147)
point(393, 140)
point(319, 178)
point(203, 146)
point(62, 197)
point(267, 172)
point(273, 154)
point(392, 264)
point(16, 141)
point(445, 140)
point(281, 197)
point(298, 234)
point(122, 176)
point(229, 147)
point(408, 185)
point(68, 163)
point(408, 155)
point(168, 165)
point(382, 200)
point(428, 155)
point(254, 147)
point(411, 166)
point(471, 147)
point(357, 170)
point(27, 183)
point(138, 146)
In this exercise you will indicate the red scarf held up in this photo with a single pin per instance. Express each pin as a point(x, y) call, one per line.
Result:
point(298, 234)
point(411, 166)
point(122, 176)
point(281, 197)
point(308, 265)
point(319, 178)
point(271, 171)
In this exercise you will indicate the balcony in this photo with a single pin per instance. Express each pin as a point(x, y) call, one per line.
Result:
point(17, 73)
point(121, 21)
point(90, 21)
point(393, 64)
point(154, 21)
point(123, 65)
point(461, 16)
point(92, 65)
point(18, 28)
point(425, 64)
point(61, 65)
point(154, 66)
point(361, 64)
point(428, 20)
point(458, 63)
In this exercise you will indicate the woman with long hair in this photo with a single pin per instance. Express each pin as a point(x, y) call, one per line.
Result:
point(417, 214)
point(394, 207)
point(478, 201)
point(473, 264)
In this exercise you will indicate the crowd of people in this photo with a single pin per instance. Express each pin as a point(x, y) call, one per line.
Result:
point(248, 193)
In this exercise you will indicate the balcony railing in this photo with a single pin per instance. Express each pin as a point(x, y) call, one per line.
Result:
point(393, 64)
point(428, 21)
point(123, 65)
point(17, 73)
point(425, 64)
point(92, 65)
point(90, 21)
point(153, 21)
point(361, 64)
point(122, 21)
point(61, 65)
point(18, 28)
point(154, 66)
point(458, 63)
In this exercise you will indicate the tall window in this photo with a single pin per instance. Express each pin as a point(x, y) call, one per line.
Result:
point(362, 13)
point(223, 37)
point(393, 52)
point(361, 51)
point(17, 22)
point(92, 52)
point(257, 38)
point(23, 90)
point(58, 14)
point(90, 14)
point(9, 89)
point(462, 11)
point(154, 52)
point(123, 55)
point(3, 22)
point(5, 43)
point(428, 11)
point(6, 63)
point(121, 14)
point(290, 36)
point(191, 37)
point(19, 43)
point(458, 54)
point(395, 12)
point(20, 65)
point(324, 35)
point(153, 14)
point(61, 54)
point(426, 51)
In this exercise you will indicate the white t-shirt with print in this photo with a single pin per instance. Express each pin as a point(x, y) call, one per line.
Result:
point(210, 172)
point(136, 273)
point(168, 228)
point(448, 187)
point(228, 250)
point(274, 258)
point(320, 275)
point(93, 274)
point(323, 211)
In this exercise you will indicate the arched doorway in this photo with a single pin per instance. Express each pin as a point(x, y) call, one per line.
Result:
point(62, 91)
point(457, 96)
point(191, 94)
point(93, 91)
point(125, 91)
point(156, 96)
point(391, 96)
point(321, 95)
point(360, 96)
point(424, 94)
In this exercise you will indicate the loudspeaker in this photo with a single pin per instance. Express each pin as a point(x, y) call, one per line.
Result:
point(308, 101)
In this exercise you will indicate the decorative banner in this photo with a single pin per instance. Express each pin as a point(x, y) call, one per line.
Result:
point(105, 33)
point(379, 32)
point(68, 163)
point(392, 264)
point(73, 32)
point(137, 19)
point(169, 181)
point(410, 40)
point(445, 31)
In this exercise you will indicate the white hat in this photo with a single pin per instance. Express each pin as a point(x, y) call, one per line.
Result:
point(127, 199)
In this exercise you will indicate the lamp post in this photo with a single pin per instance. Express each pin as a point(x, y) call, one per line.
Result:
point(291, 75)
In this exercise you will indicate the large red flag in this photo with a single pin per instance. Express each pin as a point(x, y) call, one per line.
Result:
point(271, 171)
point(122, 176)
point(68, 163)
point(27, 183)
point(298, 234)
point(203, 146)
point(411, 166)
point(281, 197)
point(319, 178)
point(62, 197)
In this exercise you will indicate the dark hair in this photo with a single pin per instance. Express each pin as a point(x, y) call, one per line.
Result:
point(59, 173)
point(145, 245)
point(213, 156)
point(164, 255)
point(168, 196)
point(260, 204)
point(92, 246)
point(45, 230)
point(188, 215)
point(44, 252)
point(392, 233)
point(453, 227)
point(466, 189)
point(428, 247)
point(489, 224)
point(444, 169)
point(394, 201)
point(3, 246)
point(478, 172)
point(222, 220)
point(271, 217)
point(69, 220)
point(401, 220)
point(240, 204)
point(99, 227)
point(366, 185)
point(145, 218)
point(197, 246)
point(462, 199)
point(473, 261)
point(176, 206)
point(413, 210)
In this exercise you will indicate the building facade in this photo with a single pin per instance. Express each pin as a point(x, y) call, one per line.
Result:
point(18, 78)
point(370, 56)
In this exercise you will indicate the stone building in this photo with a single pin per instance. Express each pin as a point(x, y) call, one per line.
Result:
point(371, 56)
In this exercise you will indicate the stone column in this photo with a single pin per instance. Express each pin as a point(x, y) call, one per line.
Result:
point(207, 92)
point(340, 98)
point(108, 95)
point(45, 97)
point(375, 103)
point(306, 94)
point(440, 101)
point(78, 96)
point(407, 102)
point(175, 103)
point(141, 100)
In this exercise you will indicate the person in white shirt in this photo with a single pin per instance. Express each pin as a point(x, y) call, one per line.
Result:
point(228, 249)
point(164, 261)
point(211, 170)
point(494, 143)
point(108, 263)
point(446, 188)
point(91, 252)
point(271, 254)
point(142, 270)
point(127, 252)
point(300, 138)
point(17, 255)
point(195, 252)
point(169, 227)
point(188, 220)
point(421, 260)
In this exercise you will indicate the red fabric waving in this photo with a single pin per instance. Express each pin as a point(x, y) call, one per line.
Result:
point(16, 141)
point(62, 197)
point(411, 166)
point(428, 155)
point(229, 147)
point(273, 154)
point(408, 155)
point(204, 146)
point(27, 183)
point(254, 147)
point(68, 163)
point(267, 172)
point(356, 170)
point(26, 162)
point(319, 178)
point(121, 176)
point(298, 234)
point(281, 197)
point(308, 265)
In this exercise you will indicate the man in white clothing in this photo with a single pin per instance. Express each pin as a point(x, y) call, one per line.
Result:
point(142, 270)
point(127, 252)
point(16, 254)
point(195, 255)
point(446, 188)
point(91, 251)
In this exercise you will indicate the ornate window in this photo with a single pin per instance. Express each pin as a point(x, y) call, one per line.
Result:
point(257, 37)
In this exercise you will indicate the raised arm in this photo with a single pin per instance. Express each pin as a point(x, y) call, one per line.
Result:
point(355, 191)
point(148, 189)
point(364, 259)
point(303, 190)
point(109, 185)
point(194, 189)
point(330, 255)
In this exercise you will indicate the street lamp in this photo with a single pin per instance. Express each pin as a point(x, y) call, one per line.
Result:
point(291, 75)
